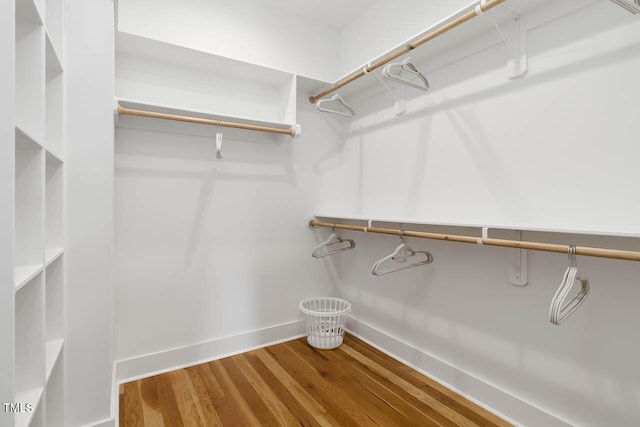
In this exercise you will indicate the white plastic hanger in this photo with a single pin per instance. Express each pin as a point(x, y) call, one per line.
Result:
point(559, 311)
point(219, 145)
point(335, 105)
point(323, 249)
point(401, 254)
point(405, 73)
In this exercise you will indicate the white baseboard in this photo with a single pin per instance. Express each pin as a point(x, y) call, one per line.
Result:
point(182, 357)
point(480, 392)
point(106, 423)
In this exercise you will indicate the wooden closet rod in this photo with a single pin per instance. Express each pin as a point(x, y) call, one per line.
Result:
point(422, 40)
point(517, 244)
point(154, 115)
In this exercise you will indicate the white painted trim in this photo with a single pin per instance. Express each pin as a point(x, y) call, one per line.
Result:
point(182, 357)
point(486, 395)
point(104, 423)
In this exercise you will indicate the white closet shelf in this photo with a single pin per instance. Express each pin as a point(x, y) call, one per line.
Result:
point(53, 57)
point(25, 273)
point(157, 108)
point(26, 138)
point(28, 11)
point(142, 47)
point(52, 254)
point(34, 396)
point(600, 231)
point(53, 349)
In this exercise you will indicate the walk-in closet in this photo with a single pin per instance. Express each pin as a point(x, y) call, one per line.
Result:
point(336, 213)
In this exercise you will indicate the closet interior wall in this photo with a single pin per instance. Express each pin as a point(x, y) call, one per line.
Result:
point(192, 258)
point(552, 149)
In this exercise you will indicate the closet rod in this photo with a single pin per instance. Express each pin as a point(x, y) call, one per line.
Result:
point(517, 244)
point(482, 6)
point(154, 115)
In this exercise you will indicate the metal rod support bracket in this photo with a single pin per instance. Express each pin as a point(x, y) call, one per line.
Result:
point(517, 264)
point(514, 36)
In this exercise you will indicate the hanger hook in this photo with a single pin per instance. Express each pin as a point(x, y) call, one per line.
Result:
point(572, 256)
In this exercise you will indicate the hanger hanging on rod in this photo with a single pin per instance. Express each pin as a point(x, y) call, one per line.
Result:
point(405, 73)
point(219, 143)
point(559, 311)
point(335, 105)
point(400, 255)
point(456, 20)
point(504, 243)
point(331, 242)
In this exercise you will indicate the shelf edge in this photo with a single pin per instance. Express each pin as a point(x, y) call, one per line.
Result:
point(31, 270)
point(28, 136)
point(53, 254)
point(179, 110)
point(604, 233)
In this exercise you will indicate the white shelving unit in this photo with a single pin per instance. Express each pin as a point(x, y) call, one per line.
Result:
point(152, 75)
point(38, 206)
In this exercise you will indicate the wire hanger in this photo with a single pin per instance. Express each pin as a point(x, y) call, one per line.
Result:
point(400, 255)
point(335, 105)
point(558, 312)
point(405, 73)
point(332, 241)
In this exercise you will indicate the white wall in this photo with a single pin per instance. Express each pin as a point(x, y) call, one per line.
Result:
point(384, 25)
point(480, 148)
point(7, 147)
point(247, 31)
point(209, 248)
point(555, 148)
point(89, 209)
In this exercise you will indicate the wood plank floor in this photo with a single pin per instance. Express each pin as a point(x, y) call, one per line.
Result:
point(293, 384)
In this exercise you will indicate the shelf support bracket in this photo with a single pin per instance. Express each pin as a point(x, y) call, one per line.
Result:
point(514, 36)
point(517, 264)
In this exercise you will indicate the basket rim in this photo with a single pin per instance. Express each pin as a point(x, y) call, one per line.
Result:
point(305, 310)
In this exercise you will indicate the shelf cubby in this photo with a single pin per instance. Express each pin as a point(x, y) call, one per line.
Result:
point(29, 336)
point(54, 101)
point(54, 23)
point(53, 207)
point(55, 396)
point(54, 302)
point(29, 77)
point(29, 180)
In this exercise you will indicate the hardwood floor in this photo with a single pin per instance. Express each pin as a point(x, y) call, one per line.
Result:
point(293, 384)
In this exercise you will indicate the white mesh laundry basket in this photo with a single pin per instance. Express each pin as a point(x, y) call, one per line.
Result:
point(324, 319)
